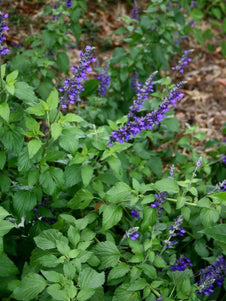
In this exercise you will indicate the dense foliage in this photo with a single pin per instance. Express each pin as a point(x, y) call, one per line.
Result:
point(103, 196)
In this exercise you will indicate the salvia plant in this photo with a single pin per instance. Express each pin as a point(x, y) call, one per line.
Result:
point(94, 208)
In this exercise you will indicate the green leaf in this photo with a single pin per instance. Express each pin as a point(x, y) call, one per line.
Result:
point(168, 184)
point(47, 239)
point(7, 267)
point(52, 99)
point(217, 232)
point(119, 193)
point(49, 261)
point(122, 293)
point(223, 48)
point(30, 287)
point(86, 173)
point(25, 92)
point(89, 278)
point(72, 175)
point(112, 214)
point(56, 292)
point(137, 285)
point(36, 110)
point(10, 78)
point(3, 68)
point(81, 199)
point(108, 253)
point(118, 271)
point(2, 159)
point(5, 227)
point(24, 201)
point(150, 217)
point(159, 262)
point(5, 182)
point(85, 294)
point(49, 38)
point(63, 61)
point(69, 270)
point(209, 217)
point(3, 213)
point(56, 130)
point(116, 167)
point(68, 140)
point(4, 111)
point(53, 276)
point(70, 117)
point(33, 147)
point(63, 248)
point(51, 179)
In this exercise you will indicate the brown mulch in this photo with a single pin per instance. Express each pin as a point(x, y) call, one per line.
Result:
point(204, 102)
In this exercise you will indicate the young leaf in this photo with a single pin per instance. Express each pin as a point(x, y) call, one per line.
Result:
point(30, 287)
point(112, 214)
point(86, 173)
point(33, 147)
point(89, 278)
point(4, 111)
point(52, 99)
point(108, 253)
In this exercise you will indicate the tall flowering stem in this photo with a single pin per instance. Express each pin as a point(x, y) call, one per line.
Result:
point(3, 27)
point(212, 275)
point(73, 87)
point(104, 79)
point(139, 124)
point(183, 61)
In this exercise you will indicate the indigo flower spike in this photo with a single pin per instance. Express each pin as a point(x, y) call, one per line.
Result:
point(3, 27)
point(131, 233)
point(135, 214)
point(135, 11)
point(223, 157)
point(159, 200)
point(183, 61)
point(175, 230)
point(211, 275)
point(73, 87)
point(104, 79)
point(69, 3)
point(181, 264)
point(134, 236)
point(147, 122)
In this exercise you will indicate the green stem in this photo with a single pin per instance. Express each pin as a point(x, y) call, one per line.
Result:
point(172, 291)
point(186, 203)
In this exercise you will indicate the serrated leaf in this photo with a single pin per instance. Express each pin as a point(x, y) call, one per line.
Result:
point(47, 239)
point(70, 117)
point(10, 78)
point(24, 201)
point(25, 92)
point(5, 227)
point(4, 111)
point(3, 213)
point(56, 292)
point(86, 174)
point(168, 184)
point(63, 61)
point(118, 271)
point(30, 287)
point(36, 110)
point(7, 267)
point(112, 214)
point(118, 193)
point(85, 294)
point(217, 232)
point(108, 253)
point(56, 130)
point(89, 278)
point(52, 99)
point(33, 147)
point(53, 276)
point(209, 217)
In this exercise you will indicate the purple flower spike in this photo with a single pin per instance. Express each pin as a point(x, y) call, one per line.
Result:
point(223, 157)
point(181, 264)
point(134, 236)
point(69, 3)
point(135, 214)
point(175, 230)
point(212, 274)
point(3, 27)
point(104, 79)
point(73, 87)
point(147, 122)
point(183, 61)
point(160, 199)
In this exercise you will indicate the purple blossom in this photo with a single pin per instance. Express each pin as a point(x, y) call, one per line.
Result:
point(134, 236)
point(142, 91)
point(147, 122)
point(3, 27)
point(135, 214)
point(175, 230)
point(160, 199)
point(199, 162)
point(73, 87)
point(221, 186)
point(171, 172)
point(159, 298)
point(181, 264)
point(104, 79)
point(183, 61)
point(69, 3)
point(223, 157)
point(211, 275)
point(135, 11)
point(192, 23)
point(193, 4)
